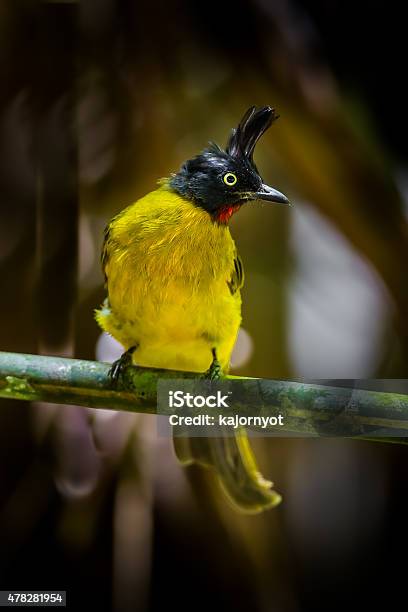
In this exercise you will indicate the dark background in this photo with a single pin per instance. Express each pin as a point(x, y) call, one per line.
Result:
point(99, 99)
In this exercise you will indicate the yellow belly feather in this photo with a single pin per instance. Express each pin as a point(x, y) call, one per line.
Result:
point(168, 267)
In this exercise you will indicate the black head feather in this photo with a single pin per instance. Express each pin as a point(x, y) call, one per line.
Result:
point(201, 179)
point(253, 124)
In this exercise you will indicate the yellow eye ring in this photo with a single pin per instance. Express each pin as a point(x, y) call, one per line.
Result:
point(230, 179)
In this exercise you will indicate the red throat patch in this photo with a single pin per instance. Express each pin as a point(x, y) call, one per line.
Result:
point(225, 213)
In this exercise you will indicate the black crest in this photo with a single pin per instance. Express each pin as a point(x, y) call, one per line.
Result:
point(253, 124)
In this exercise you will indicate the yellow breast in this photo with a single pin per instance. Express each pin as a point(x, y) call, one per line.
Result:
point(168, 266)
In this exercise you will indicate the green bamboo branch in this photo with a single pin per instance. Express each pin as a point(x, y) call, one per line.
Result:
point(307, 408)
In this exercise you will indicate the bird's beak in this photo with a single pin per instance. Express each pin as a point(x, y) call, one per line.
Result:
point(271, 195)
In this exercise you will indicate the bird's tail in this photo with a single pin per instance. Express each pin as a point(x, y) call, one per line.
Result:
point(232, 459)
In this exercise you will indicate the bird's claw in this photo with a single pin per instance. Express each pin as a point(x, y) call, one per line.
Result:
point(214, 372)
point(119, 366)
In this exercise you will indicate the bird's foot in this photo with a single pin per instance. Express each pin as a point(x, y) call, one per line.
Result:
point(214, 372)
point(119, 366)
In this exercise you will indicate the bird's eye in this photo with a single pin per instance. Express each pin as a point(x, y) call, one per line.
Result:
point(230, 179)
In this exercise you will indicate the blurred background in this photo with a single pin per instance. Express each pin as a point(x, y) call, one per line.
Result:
point(99, 99)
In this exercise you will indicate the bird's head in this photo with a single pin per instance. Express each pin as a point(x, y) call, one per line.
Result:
point(221, 181)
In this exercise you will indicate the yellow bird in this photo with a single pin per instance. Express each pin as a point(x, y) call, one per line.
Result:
point(173, 277)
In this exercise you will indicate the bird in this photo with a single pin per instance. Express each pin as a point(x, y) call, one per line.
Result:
point(173, 277)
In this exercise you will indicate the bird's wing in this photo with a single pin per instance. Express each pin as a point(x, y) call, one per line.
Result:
point(108, 242)
point(237, 276)
point(112, 240)
point(105, 249)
